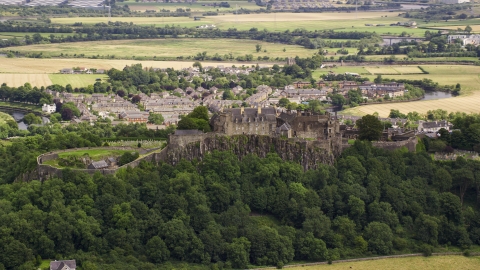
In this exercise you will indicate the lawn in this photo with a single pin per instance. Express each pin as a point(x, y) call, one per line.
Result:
point(194, 7)
point(94, 154)
point(4, 117)
point(410, 263)
point(381, 70)
point(16, 80)
point(31, 65)
point(341, 69)
point(167, 48)
point(76, 80)
point(467, 102)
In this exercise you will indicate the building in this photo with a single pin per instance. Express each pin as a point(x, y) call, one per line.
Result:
point(466, 39)
point(63, 265)
point(49, 108)
point(434, 126)
point(66, 71)
point(134, 116)
point(266, 121)
point(451, 2)
point(98, 165)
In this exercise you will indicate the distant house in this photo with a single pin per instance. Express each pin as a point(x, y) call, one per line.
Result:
point(434, 126)
point(98, 165)
point(63, 265)
point(49, 108)
point(134, 116)
point(67, 71)
point(100, 71)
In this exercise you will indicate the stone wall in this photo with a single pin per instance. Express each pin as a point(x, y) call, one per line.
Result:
point(410, 144)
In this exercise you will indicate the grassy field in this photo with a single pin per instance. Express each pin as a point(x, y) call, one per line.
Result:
point(4, 117)
point(467, 102)
point(412, 263)
point(194, 7)
point(76, 80)
point(22, 35)
point(397, 70)
point(16, 80)
point(21, 105)
point(167, 48)
point(30, 65)
point(274, 21)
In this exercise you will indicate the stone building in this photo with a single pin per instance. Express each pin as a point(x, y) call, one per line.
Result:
point(266, 121)
point(260, 121)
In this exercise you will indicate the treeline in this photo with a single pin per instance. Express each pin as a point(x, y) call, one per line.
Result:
point(428, 85)
point(135, 78)
point(223, 213)
point(118, 30)
point(25, 93)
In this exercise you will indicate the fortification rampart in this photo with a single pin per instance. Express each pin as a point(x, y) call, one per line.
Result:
point(308, 153)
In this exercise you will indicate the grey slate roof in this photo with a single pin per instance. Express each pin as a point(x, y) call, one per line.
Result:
point(99, 164)
point(54, 265)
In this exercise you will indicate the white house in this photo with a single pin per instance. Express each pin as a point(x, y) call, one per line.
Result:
point(434, 126)
point(49, 108)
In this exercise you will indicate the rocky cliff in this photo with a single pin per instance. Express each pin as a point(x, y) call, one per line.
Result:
point(308, 153)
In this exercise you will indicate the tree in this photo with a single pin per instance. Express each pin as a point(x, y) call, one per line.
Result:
point(238, 252)
point(31, 118)
point(155, 118)
point(156, 250)
point(199, 65)
point(338, 100)
point(187, 123)
point(283, 102)
point(379, 237)
point(378, 79)
point(67, 114)
point(136, 99)
point(200, 112)
point(468, 29)
point(370, 128)
point(258, 47)
point(396, 114)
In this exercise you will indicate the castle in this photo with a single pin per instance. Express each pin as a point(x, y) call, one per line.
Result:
point(267, 121)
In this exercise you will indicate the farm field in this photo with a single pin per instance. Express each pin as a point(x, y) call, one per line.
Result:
point(16, 80)
point(4, 117)
point(167, 48)
point(31, 65)
point(273, 21)
point(393, 70)
point(194, 7)
point(411, 263)
point(76, 80)
point(468, 102)
point(340, 69)
point(22, 34)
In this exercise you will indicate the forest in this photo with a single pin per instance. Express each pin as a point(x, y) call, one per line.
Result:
point(222, 213)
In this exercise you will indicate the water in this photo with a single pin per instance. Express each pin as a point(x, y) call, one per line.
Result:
point(18, 116)
point(436, 95)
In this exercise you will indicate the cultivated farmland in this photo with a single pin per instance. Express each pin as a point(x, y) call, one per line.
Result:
point(167, 48)
point(411, 263)
point(76, 80)
point(468, 102)
point(16, 80)
point(30, 65)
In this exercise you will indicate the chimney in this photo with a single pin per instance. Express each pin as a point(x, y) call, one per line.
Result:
point(242, 110)
point(259, 110)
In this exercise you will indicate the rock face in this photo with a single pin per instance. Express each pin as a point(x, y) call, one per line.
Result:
point(308, 153)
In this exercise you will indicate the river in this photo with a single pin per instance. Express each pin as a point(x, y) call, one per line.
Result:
point(18, 116)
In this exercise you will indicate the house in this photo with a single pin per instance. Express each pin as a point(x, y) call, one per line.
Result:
point(98, 165)
point(111, 161)
point(100, 71)
point(66, 71)
point(134, 116)
point(301, 84)
point(434, 126)
point(63, 265)
point(49, 108)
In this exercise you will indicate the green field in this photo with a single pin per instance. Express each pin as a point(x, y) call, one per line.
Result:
point(410, 263)
point(76, 80)
point(21, 105)
point(4, 117)
point(194, 7)
point(467, 102)
point(167, 48)
point(22, 35)
point(274, 21)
